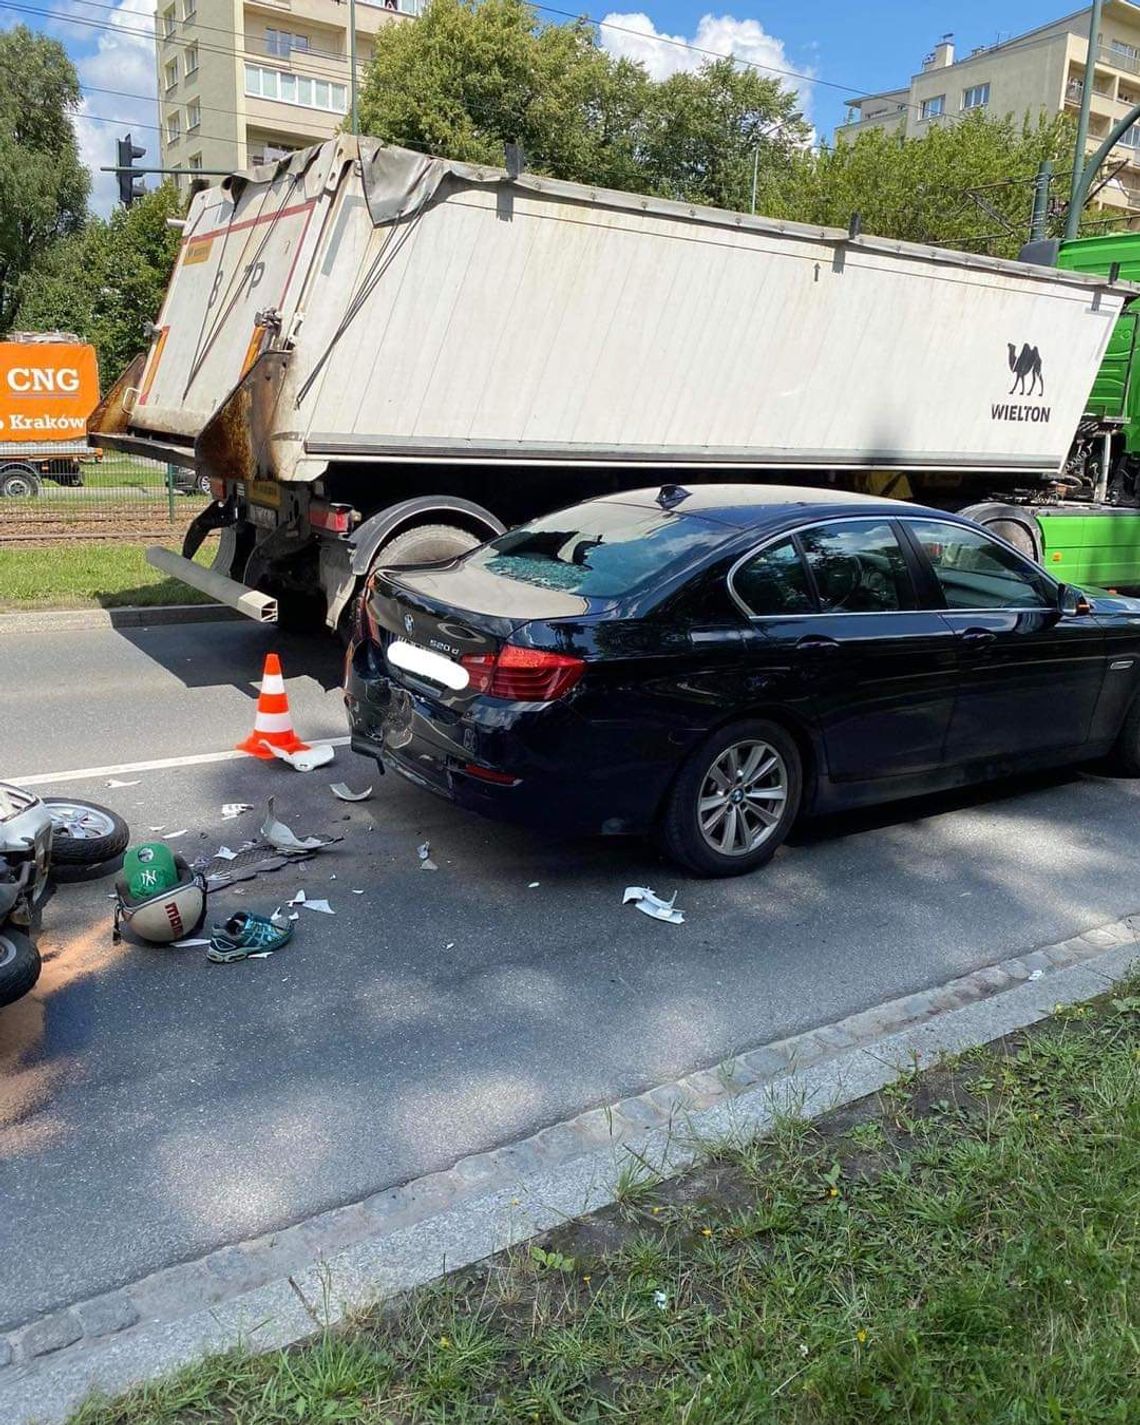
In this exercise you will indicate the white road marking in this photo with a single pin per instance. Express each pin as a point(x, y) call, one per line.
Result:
point(158, 764)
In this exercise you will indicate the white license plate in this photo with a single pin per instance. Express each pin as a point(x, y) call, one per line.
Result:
point(263, 518)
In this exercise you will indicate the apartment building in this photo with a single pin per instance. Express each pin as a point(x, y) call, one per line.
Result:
point(242, 82)
point(1038, 73)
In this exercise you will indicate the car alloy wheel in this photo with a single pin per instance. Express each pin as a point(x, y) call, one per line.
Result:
point(734, 800)
point(742, 797)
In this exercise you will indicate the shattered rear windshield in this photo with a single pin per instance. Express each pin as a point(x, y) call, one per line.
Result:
point(600, 550)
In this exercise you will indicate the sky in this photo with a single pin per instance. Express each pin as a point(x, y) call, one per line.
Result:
point(829, 50)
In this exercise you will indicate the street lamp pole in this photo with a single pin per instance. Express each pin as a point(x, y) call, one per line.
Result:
point(353, 123)
point(1086, 104)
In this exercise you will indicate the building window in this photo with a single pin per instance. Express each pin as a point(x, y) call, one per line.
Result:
point(193, 115)
point(195, 160)
point(282, 43)
point(1130, 138)
point(191, 59)
point(168, 23)
point(1125, 51)
point(262, 83)
point(932, 108)
point(189, 11)
point(976, 97)
point(172, 127)
point(171, 73)
point(269, 152)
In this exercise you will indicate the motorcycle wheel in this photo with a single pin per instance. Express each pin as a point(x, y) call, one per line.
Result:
point(19, 965)
point(84, 833)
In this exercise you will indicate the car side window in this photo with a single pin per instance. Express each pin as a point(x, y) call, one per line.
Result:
point(975, 572)
point(858, 567)
point(773, 581)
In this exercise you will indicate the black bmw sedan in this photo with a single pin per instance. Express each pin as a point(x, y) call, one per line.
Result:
point(706, 666)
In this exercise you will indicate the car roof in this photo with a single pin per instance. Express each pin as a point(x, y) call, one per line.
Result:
point(747, 506)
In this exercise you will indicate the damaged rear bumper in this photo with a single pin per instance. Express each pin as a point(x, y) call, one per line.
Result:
point(532, 765)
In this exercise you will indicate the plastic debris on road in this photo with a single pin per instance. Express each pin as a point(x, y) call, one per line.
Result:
point(298, 899)
point(114, 782)
point(322, 906)
point(307, 760)
point(232, 809)
point(652, 905)
point(534, 885)
point(188, 944)
point(424, 853)
point(224, 853)
point(170, 835)
point(345, 794)
point(283, 838)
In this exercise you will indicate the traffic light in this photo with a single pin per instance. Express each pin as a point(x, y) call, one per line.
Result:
point(130, 187)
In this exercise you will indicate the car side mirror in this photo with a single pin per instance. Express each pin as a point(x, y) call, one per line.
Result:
point(1070, 601)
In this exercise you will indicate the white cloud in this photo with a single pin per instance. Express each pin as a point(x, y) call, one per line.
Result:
point(122, 61)
point(635, 36)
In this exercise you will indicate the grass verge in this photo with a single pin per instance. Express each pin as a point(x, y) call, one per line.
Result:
point(962, 1248)
point(92, 574)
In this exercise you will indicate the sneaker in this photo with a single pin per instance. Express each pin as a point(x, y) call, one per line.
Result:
point(246, 934)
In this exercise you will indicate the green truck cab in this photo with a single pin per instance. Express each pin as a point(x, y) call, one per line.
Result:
point(1087, 530)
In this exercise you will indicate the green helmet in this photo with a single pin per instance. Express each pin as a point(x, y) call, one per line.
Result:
point(149, 869)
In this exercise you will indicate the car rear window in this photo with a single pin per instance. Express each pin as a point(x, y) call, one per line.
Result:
point(601, 550)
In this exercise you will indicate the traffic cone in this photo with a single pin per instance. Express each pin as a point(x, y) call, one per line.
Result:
point(271, 722)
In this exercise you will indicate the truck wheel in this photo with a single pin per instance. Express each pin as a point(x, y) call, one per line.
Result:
point(1016, 524)
point(19, 965)
point(19, 482)
point(425, 544)
point(83, 833)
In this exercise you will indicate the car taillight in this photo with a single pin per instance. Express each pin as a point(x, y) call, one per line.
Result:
point(523, 675)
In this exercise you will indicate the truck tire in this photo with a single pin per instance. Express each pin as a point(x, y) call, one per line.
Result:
point(84, 833)
point(19, 482)
point(19, 964)
point(1016, 524)
point(425, 544)
point(422, 544)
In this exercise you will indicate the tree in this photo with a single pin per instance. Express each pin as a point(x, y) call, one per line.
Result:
point(966, 184)
point(43, 185)
point(468, 78)
point(106, 282)
point(707, 130)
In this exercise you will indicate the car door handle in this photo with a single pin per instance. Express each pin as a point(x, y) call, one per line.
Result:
point(817, 644)
point(977, 637)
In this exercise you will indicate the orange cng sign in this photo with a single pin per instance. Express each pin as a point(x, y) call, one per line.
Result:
point(47, 390)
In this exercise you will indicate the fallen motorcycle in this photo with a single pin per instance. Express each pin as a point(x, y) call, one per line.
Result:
point(36, 833)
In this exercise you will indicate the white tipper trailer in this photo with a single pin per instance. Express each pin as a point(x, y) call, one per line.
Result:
point(376, 356)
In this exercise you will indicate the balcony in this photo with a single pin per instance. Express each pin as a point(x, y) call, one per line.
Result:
point(1103, 100)
point(1127, 59)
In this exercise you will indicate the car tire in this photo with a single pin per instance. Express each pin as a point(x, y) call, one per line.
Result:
point(681, 834)
point(84, 833)
point(19, 482)
point(1124, 759)
point(19, 965)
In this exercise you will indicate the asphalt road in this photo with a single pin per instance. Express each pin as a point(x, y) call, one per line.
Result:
point(154, 1106)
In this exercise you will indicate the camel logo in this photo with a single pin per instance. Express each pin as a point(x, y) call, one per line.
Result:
point(1028, 381)
point(1026, 363)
